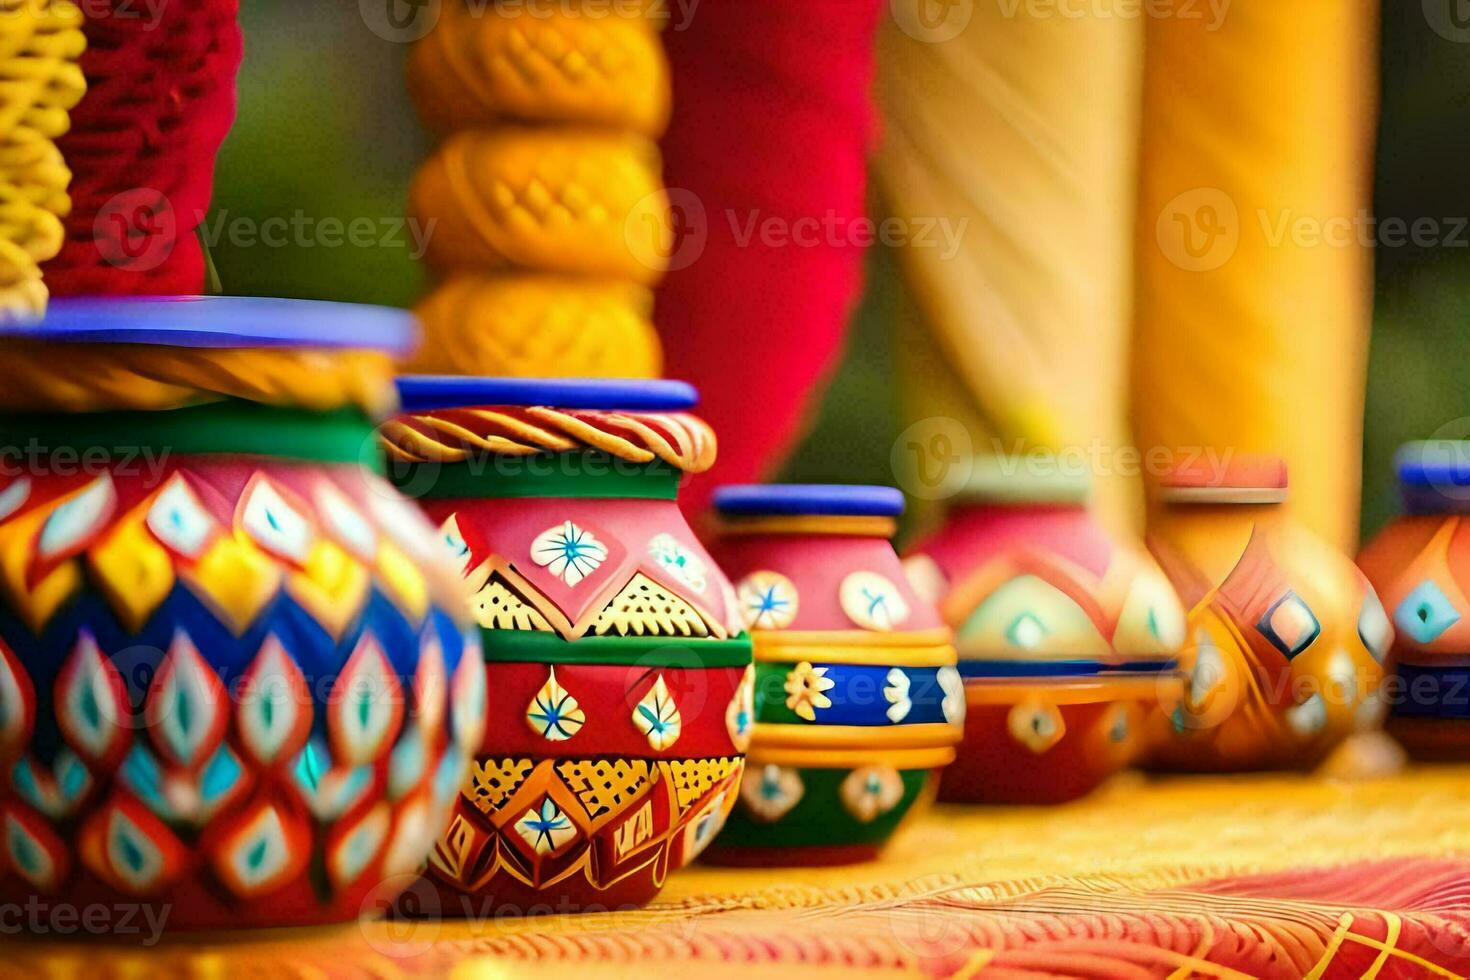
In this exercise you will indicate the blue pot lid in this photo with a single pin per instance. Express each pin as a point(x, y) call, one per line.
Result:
point(826, 500)
point(1434, 477)
point(427, 393)
point(218, 322)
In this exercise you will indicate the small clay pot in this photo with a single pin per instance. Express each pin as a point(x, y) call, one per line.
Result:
point(1066, 638)
point(857, 702)
point(236, 685)
point(1420, 565)
point(621, 675)
point(1286, 636)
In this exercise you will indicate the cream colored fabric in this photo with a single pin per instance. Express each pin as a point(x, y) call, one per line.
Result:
point(1077, 149)
point(1020, 131)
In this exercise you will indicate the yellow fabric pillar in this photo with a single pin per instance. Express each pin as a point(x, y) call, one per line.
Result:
point(1253, 287)
point(41, 44)
point(1019, 132)
point(551, 223)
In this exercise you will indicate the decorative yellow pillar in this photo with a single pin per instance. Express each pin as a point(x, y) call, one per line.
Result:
point(550, 225)
point(40, 44)
point(1254, 281)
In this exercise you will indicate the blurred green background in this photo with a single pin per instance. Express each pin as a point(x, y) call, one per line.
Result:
point(325, 127)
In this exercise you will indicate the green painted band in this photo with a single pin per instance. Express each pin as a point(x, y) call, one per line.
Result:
point(820, 818)
point(539, 647)
point(518, 477)
point(230, 427)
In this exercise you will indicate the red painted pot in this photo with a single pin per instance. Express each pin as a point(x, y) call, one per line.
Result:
point(619, 708)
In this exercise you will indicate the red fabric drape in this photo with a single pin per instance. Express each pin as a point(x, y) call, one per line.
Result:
point(160, 99)
point(766, 164)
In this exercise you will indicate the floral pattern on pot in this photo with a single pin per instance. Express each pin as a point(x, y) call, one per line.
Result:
point(849, 700)
point(622, 701)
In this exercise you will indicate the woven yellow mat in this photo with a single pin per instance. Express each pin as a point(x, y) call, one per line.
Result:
point(1196, 876)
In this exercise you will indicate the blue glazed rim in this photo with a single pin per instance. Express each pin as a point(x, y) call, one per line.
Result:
point(1434, 476)
point(807, 500)
point(217, 322)
point(427, 393)
point(995, 669)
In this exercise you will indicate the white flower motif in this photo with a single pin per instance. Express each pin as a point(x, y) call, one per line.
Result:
point(897, 693)
point(768, 600)
point(740, 714)
point(568, 552)
point(870, 792)
point(679, 561)
point(771, 795)
point(657, 716)
point(546, 829)
point(953, 686)
point(553, 713)
point(872, 602)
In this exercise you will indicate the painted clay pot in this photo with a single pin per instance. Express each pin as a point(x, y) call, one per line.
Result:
point(620, 708)
point(233, 681)
point(1420, 567)
point(857, 702)
point(1286, 636)
point(1066, 638)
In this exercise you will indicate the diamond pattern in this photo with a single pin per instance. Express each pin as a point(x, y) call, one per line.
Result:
point(17, 703)
point(131, 849)
point(33, 850)
point(187, 709)
point(274, 711)
point(261, 852)
point(56, 792)
point(346, 523)
point(91, 703)
point(366, 706)
point(179, 520)
point(357, 847)
point(14, 497)
point(275, 524)
point(468, 701)
point(77, 520)
point(135, 572)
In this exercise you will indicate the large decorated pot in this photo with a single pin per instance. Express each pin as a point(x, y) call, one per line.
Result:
point(619, 710)
point(1066, 638)
point(857, 702)
point(1420, 567)
point(234, 687)
point(1286, 636)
